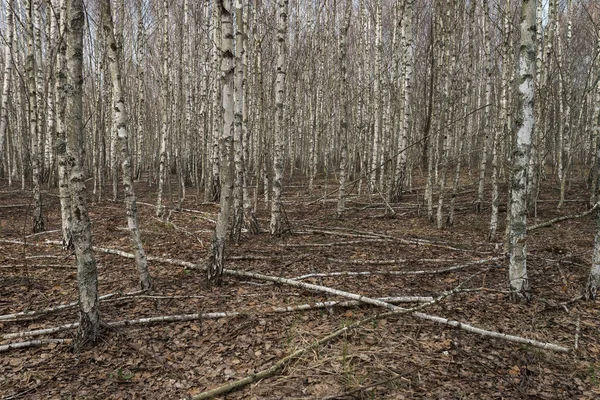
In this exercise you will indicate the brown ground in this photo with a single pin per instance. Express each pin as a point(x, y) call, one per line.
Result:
point(394, 358)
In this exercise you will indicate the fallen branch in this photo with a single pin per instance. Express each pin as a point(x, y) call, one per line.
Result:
point(31, 343)
point(563, 218)
point(273, 369)
point(26, 314)
point(421, 272)
point(379, 303)
point(349, 243)
point(368, 300)
point(215, 315)
point(385, 262)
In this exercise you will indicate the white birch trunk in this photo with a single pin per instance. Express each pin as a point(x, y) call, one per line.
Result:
point(502, 128)
point(162, 167)
point(238, 98)
point(486, 117)
point(345, 109)
point(34, 132)
point(61, 138)
point(519, 282)
point(378, 99)
point(87, 273)
point(217, 255)
point(276, 227)
point(8, 67)
point(120, 123)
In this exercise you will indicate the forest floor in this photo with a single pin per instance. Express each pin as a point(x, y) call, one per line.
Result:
point(398, 357)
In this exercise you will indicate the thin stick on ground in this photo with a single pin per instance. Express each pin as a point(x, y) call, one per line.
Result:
point(31, 343)
point(215, 315)
point(563, 218)
point(34, 313)
point(420, 272)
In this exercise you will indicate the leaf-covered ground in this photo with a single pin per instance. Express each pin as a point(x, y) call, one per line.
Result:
point(391, 358)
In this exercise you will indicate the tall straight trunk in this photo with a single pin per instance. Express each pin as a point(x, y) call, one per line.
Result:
point(564, 137)
point(61, 134)
point(120, 123)
point(345, 111)
point(8, 66)
point(501, 130)
point(446, 110)
point(249, 216)
point(593, 283)
point(34, 131)
point(519, 282)
point(488, 95)
point(162, 167)
point(378, 98)
point(400, 175)
point(276, 227)
point(217, 255)
point(214, 186)
point(87, 273)
point(238, 99)
point(141, 95)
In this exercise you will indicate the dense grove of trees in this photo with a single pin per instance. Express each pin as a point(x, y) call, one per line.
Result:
point(232, 98)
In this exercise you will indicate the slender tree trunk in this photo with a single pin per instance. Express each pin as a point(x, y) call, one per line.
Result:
point(486, 117)
point(87, 273)
point(276, 206)
point(345, 111)
point(120, 123)
point(378, 99)
point(519, 282)
point(61, 134)
point(163, 168)
point(502, 127)
point(215, 263)
point(38, 219)
point(8, 66)
point(238, 197)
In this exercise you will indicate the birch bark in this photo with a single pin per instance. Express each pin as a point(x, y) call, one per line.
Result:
point(122, 135)
point(34, 131)
point(276, 227)
point(162, 168)
point(8, 67)
point(217, 255)
point(519, 282)
point(87, 273)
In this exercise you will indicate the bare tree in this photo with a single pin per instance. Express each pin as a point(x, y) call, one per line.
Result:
point(276, 206)
point(519, 282)
point(122, 135)
point(217, 251)
point(87, 273)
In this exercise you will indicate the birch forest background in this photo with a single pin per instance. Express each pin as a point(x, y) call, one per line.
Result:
point(288, 199)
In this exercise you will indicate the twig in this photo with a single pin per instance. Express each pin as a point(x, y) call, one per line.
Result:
point(563, 218)
point(58, 308)
point(421, 272)
point(31, 343)
point(349, 243)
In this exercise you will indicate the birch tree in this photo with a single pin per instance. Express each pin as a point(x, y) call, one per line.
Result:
point(122, 135)
point(8, 66)
point(217, 251)
point(162, 168)
point(276, 227)
point(345, 111)
point(87, 273)
point(38, 219)
point(519, 282)
point(61, 138)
